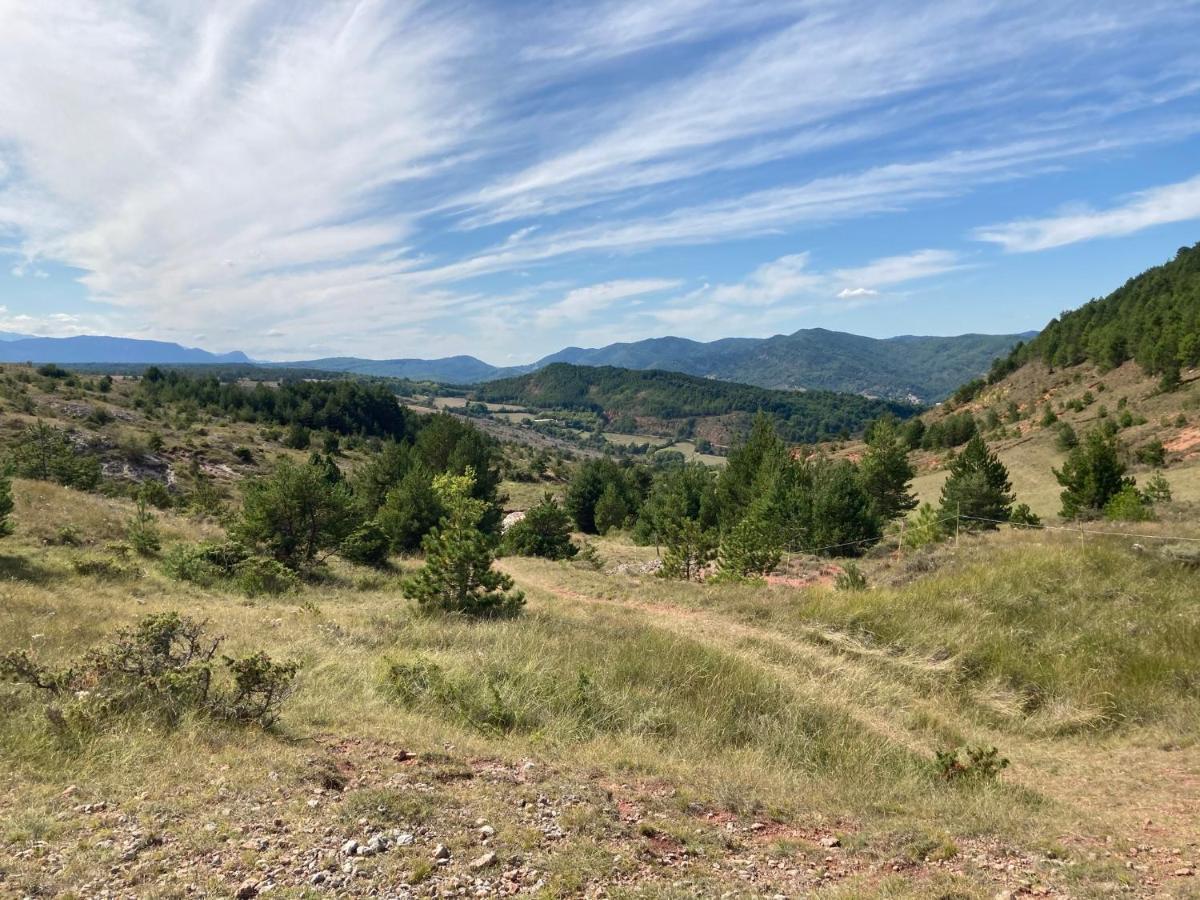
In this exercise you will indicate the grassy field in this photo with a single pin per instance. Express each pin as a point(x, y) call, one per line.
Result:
point(626, 734)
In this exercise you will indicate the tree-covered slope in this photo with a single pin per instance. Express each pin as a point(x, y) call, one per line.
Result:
point(1154, 319)
point(928, 368)
point(803, 416)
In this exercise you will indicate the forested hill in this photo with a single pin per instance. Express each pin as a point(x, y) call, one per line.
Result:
point(1154, 319)
point(802, 416)
point(927, 368)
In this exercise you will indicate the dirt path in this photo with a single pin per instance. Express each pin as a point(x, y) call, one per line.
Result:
point(1133, 805)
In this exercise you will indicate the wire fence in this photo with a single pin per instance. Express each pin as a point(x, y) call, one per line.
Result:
point(956, 520)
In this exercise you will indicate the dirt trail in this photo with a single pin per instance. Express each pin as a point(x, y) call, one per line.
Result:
point(1138, 805)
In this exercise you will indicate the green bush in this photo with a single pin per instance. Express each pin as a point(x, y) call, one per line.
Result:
point(109, 568)
point(969, 763)
point(545, 531)
point(1128, 505)
point(256, 576)
point(367, 545)
point(162, 668)
point(850, 578)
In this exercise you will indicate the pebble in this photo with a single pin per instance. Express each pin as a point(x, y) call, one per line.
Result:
point(482, 862)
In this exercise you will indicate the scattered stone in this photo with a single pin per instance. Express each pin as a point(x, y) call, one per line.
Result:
point(349, 848)
point(830, 842)
point(441, 851)
point(482, 862)
point(487, 831)
point(246, 890)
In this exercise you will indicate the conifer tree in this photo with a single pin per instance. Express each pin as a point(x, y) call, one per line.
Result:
point(751, 547)
point(689, 548)
point(611, 511)
point(978, 488)
point(458, 576)
point(886, 473)
point(1091, 476)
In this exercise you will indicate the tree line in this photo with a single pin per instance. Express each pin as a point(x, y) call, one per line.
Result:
point(618, 394)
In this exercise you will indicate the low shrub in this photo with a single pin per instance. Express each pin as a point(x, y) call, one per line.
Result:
point(977, 763)
point(850, 578)
point(109, 568)
point(213, 564)
point(1128, 505)
point(259, 575)
point(163, 668)
point(204, 564)
point(367, 545)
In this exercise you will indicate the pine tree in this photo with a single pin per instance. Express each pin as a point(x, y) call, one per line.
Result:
point(410, 510)
point(885, 472)
point(545, 531)
point(842, 520)
point(611, 511)
point(978, 488)
point(923, 527)
point(1092, 475)
point(751, 547)
point(458, 576)
point(296, 513)
point(690, 548)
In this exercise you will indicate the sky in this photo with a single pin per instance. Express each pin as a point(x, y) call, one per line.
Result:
point(400, 179)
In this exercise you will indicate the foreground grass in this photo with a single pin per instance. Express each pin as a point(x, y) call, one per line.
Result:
point(663, 739)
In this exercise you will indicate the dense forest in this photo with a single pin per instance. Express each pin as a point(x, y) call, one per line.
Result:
point(801, 416)
point(1154, 319)
point(366, 409)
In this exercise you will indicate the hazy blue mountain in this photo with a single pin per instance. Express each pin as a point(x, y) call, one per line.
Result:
point(449, 370)
point(910, 366)
point(14, 336)
point(98, 349)
point(927, 368)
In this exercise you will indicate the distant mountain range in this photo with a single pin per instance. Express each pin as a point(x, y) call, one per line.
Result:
point(97, 349)
point(908, 367)
point(925, 369)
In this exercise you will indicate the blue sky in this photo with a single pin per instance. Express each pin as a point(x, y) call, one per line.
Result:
point(395, 179)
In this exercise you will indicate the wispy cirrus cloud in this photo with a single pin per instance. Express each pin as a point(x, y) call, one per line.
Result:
point(582, 303)
point(1179, 202)
point(282, 177)
point(776, 294)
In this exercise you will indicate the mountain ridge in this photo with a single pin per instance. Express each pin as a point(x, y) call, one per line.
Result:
point(925, 368)
point(105, 349)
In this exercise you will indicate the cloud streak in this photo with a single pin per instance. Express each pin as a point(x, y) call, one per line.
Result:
point(1179, 202)
point(390, 176)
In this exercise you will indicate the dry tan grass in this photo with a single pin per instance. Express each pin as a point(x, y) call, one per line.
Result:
point(811, 711)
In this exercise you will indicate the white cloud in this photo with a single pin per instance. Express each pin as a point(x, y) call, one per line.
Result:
point(193, 160)
point(892, 270)
point(835, 74)
point(232, 167)
point(775, 294)
point(1161, 205)
point(583, 303)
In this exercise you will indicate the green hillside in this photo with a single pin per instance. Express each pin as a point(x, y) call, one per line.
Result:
point(802, 416)
point(1153, 319)
point(928, 368)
